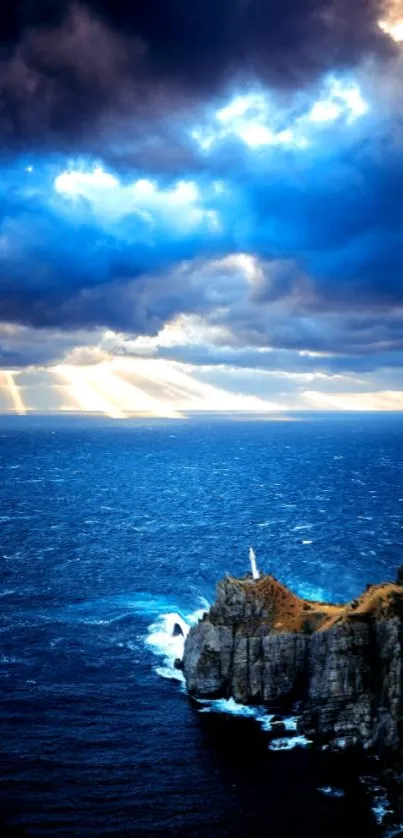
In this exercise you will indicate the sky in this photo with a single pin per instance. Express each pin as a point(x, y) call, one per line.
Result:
point(201, 206)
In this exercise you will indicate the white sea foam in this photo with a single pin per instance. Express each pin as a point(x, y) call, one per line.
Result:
point(331, 791)
point(289, 742)
point(162, 642)
point(340, 744)
point(169, 674)
point(302, 527)
point(98, 622)
point(381, 805)
point(291, 723)
point(233, 708)
point(381, 808)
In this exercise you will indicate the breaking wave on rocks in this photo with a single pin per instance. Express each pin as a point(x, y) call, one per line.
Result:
point(287, 743)
point(267, 722)
point(166, 639)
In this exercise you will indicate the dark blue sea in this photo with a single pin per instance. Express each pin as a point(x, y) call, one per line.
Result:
point(108, 530)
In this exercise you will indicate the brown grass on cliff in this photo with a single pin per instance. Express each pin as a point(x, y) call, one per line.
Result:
point(287, 612)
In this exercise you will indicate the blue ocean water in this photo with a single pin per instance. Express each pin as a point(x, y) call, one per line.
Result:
point(110, 529)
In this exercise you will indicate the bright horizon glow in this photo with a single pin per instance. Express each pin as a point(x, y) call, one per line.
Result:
point(384, 400)
point(149, 387)
point(130, 387)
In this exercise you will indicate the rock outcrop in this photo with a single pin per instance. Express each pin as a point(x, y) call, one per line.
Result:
point(339, 667)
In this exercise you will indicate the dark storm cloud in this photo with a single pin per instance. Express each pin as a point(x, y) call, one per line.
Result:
point(69, 71)
point(125, 82)
point(24, 347)
point(326, 234)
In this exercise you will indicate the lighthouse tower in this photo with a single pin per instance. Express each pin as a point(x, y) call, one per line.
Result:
point(252, 559)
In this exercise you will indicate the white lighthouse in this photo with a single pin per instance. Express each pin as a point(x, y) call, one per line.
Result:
point(252, 559)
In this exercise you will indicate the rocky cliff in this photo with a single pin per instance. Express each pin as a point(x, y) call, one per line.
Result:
point(339, 667)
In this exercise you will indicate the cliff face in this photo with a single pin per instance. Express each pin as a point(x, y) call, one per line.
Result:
point(338, 667)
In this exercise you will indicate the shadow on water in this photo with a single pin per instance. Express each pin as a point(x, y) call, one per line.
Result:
point(252, 792)
point(11, 831)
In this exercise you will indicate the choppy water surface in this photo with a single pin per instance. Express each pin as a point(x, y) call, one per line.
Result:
point(107, 532)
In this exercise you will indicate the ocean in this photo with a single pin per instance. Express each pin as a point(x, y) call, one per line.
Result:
point(110, 532)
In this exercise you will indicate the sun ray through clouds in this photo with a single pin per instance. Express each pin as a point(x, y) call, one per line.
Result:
point(84, 395)
point(148, 387)
point(99, 389)
point(15, 394)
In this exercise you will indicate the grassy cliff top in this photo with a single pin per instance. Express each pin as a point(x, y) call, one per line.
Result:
point(271, 602)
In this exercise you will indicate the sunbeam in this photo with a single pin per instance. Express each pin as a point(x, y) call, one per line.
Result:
point(98, 389)
point(15, 394)
point(148, 387)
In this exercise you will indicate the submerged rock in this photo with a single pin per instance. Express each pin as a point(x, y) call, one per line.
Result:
point(338, 666)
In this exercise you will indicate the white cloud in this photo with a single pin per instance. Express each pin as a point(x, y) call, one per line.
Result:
point(255, 120)
point(340, 100)
point(179, 207)
point(381, 400)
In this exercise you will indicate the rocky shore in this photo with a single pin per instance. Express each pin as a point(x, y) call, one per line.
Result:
point(338, 668)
